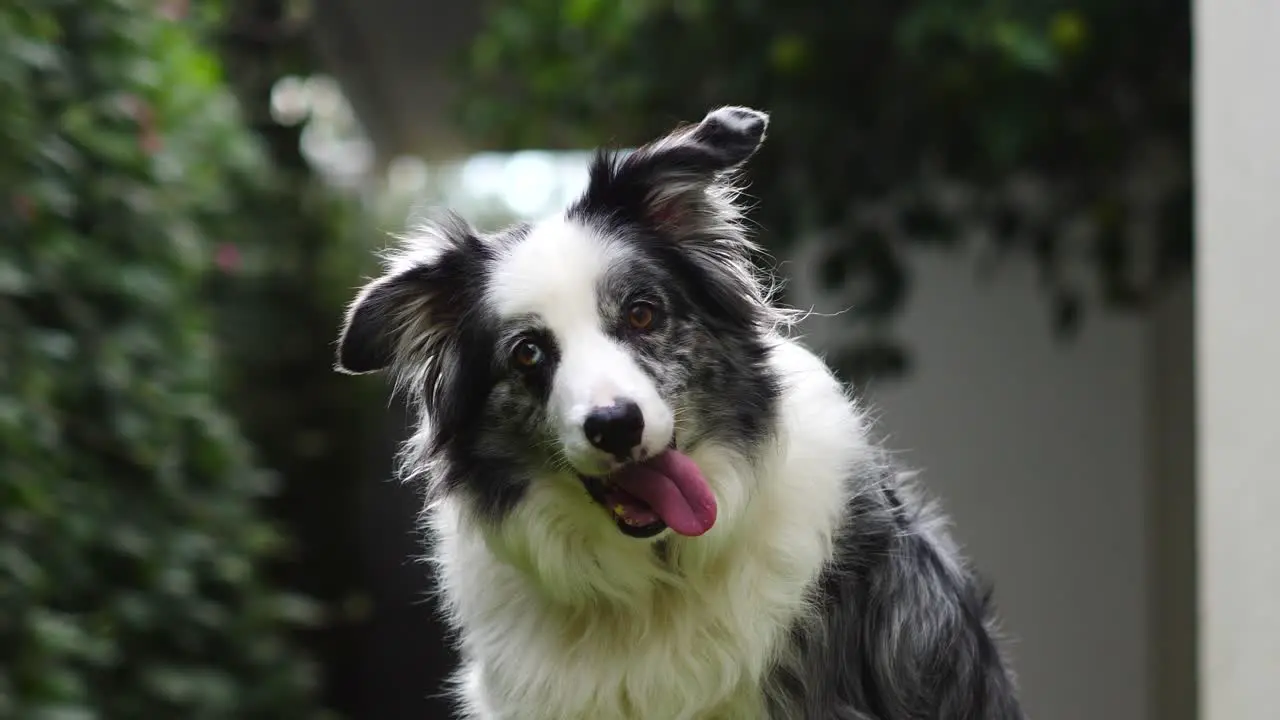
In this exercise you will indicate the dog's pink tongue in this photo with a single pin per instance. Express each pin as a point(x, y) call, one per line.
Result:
point(673, 486)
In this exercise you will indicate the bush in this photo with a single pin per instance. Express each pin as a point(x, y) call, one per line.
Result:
point(131, 544)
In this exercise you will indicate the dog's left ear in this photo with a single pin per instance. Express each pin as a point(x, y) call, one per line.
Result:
point(665, 183)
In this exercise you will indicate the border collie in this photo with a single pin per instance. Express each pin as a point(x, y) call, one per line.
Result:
point(645, 500)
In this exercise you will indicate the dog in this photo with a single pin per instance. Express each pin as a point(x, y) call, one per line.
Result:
point(645, 499)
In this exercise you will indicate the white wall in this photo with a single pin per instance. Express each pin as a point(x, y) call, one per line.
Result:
point(1238, 355)
point(1037, 448)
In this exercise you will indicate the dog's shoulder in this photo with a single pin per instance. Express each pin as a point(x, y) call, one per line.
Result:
point(902, 628)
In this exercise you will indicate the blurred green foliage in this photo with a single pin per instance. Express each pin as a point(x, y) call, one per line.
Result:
point(879, 104)
point(131, 541)
point(278, 312)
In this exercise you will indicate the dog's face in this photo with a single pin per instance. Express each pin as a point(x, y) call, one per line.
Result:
point(585, 321)
point(592, 349)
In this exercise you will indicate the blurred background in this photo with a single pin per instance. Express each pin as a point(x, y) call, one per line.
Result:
point(987, 202)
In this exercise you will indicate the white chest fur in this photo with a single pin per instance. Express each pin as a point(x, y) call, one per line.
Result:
point(562, 618)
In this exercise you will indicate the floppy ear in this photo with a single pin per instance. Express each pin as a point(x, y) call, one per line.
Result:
point(413, 307)
point(666, 182)
point(367, 342)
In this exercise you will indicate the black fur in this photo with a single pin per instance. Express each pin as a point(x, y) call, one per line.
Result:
point(429, 324)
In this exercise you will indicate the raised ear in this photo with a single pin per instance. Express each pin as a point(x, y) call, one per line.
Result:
point(413, 307)
point(725, 139)
point(664, 181)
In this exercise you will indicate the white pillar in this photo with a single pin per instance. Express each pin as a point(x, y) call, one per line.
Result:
point(1237, 105)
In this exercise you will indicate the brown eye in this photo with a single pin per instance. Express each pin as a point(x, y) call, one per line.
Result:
point(527, 354)
point(641, 315)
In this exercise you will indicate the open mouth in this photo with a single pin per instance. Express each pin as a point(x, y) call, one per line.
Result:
point(645, 498)
point(633, 516)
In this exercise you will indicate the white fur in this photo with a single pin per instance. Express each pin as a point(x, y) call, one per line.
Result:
point(564, 618)
point(552, 275)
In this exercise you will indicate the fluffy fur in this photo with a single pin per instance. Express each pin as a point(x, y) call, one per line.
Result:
point(827, 588)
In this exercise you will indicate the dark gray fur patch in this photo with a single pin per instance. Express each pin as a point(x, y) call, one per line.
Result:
point(716, 374)
point(903, 629)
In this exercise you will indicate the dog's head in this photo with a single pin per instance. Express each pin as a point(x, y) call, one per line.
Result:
point(594, 350)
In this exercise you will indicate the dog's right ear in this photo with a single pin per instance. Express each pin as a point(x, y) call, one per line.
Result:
point(412, 307)
point(367, 341)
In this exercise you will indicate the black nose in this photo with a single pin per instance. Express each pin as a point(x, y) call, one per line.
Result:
point(616, 428)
